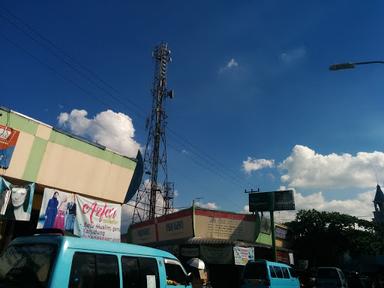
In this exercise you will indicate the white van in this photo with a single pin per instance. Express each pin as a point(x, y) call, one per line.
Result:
point(330, 277)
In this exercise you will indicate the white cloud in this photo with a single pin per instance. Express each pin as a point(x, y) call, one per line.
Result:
point(208, 205)
point(305, 168)
point(108, 128)
point(251, 164)
point(360, 206)
point(245, 209)
point(293, 55)
point(232, 64)
point(126, 216)
point(184, 151)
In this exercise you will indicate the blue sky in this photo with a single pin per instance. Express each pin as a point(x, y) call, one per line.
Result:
point(251, 81)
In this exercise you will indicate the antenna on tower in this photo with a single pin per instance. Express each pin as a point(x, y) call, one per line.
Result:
point(155, 188)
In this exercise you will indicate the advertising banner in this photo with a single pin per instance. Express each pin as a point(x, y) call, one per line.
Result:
point(79, 215)
point(225, 225)
point(281, 232)
point(271, 201)
point(97, 220)
point(16, 200)
point(58, 210)
point(243, 254)
point(8, 139)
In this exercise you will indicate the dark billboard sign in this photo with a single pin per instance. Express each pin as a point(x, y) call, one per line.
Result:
point(271, 201)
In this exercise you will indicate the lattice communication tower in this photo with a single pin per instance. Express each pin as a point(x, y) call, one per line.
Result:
point(155, 194)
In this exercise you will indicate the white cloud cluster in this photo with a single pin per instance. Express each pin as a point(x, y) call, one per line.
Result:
point(232, 64)
point(251, 164)
point(293, 55)
point(208, 205)
point(108, 128)
point(360, 206)
point(305, 168)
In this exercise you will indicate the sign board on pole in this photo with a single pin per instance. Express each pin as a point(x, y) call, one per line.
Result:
point(271, 201)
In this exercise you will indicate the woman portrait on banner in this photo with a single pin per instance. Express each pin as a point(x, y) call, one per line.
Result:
point(51, 211)
point(18, 205)
point(60, 216)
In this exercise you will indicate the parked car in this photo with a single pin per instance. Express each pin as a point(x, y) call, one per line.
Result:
point(263, 274)
point(330, 277)
point(62, 261)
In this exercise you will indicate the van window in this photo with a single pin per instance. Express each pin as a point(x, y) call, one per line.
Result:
point(140, 272)
point(292, 272)
point(26, 265)
point(149, 272)
point(285, 272)
point(94, 270)
point(256, 270)
point(107, 269)
point(131, 274)
point(272, 271)
point(278, 272)
point(175, 274)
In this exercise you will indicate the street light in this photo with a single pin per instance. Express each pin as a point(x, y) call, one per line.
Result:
point(351, 65)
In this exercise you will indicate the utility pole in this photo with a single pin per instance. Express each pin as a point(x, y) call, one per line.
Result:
point(155, 156)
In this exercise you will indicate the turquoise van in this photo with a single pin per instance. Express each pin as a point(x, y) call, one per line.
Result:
point(267, 274)
point(63, 261)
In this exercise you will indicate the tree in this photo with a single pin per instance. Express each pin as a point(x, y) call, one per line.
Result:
point(327, 238)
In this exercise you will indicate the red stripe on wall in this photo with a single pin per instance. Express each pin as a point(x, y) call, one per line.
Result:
point(177, 215)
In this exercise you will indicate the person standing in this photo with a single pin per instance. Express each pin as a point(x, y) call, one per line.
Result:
point(199, 273)
point(60, 216)
point(51, 211)
point(71, 215)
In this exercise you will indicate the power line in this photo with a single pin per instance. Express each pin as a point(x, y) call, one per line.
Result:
point(208, 159)
point(54, 48)
point(203, 163)
point(210, 163)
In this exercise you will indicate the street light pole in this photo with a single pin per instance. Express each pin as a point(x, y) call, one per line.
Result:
point(351, 65)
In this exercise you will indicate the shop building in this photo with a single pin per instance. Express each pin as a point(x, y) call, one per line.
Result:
point(36, 154)
point(225, 241)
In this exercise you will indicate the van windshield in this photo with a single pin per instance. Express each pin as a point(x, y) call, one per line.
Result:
point(255, 271)
point(26, 265)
